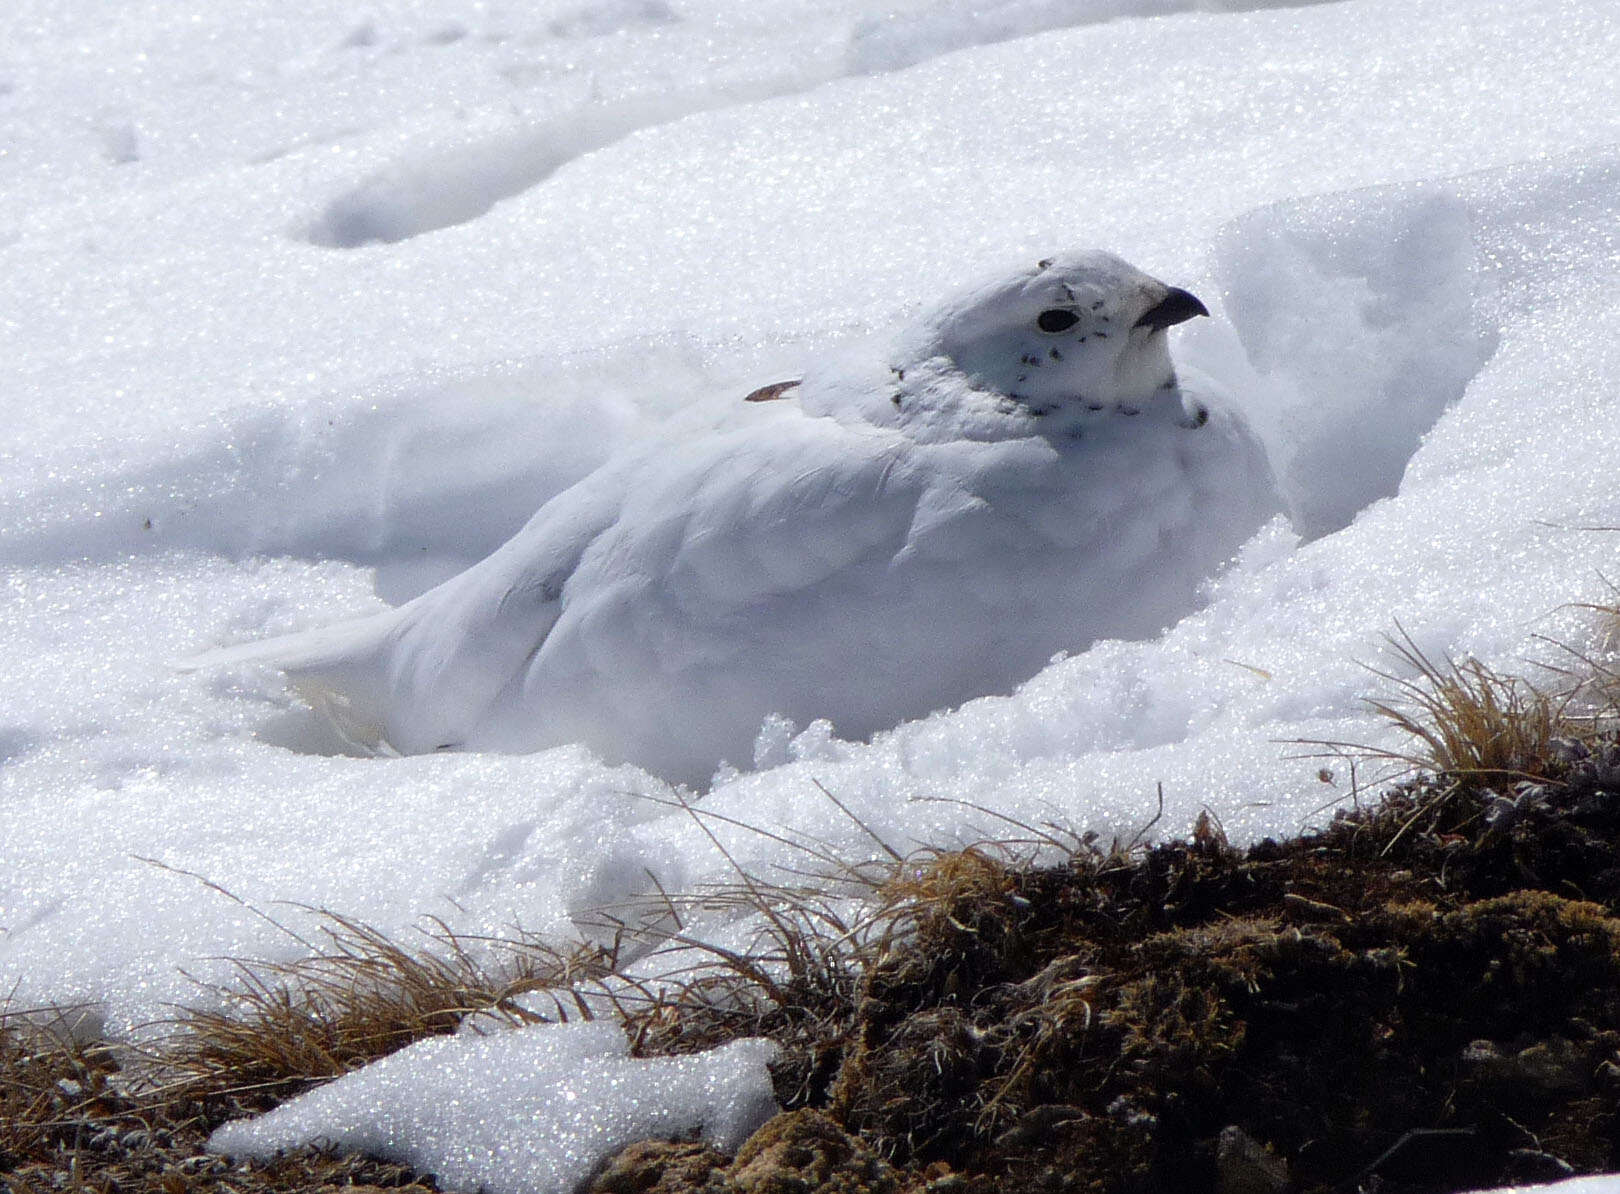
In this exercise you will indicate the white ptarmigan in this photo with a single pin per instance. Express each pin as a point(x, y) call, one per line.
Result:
point(924, 519)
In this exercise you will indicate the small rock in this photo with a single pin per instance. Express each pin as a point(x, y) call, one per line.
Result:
point(1566, 750)
point(807, 1152)
point(1533, 1165)
point(1555, 1066)
point(1245, 1166)
point(658, 1167)
point(1128, 1111)
point(1038, 1124)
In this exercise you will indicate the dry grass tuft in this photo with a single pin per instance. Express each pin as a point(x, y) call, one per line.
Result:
point(1470, 721)
point(799, 977)
point(280, 1027)
point(1602, 671)
point(72, 1118)
point(935, 881)
point(796, 979)
point(50, 1078)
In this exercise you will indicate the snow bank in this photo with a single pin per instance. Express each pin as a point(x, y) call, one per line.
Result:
point(1357, 316)
point(529, 1111)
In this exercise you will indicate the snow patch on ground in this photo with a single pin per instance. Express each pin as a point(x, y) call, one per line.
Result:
point(528, 1111)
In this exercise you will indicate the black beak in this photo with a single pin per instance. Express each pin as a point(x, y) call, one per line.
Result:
point(1178, 307)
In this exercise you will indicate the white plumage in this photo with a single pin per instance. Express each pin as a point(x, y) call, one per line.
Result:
point(924, 519)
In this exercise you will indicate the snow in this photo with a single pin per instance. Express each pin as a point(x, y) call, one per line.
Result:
point(528, 1111)
point(307, 311)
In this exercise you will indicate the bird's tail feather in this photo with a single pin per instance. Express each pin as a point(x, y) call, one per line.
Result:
point(305, 650)
point(338, 670)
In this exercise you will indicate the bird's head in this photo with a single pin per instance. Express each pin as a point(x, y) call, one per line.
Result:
point(1084, 327)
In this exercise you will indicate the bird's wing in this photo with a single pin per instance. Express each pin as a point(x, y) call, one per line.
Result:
point(749, 516)
point(723, 548)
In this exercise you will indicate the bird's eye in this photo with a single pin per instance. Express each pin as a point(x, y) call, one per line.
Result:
point(1056, 320)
